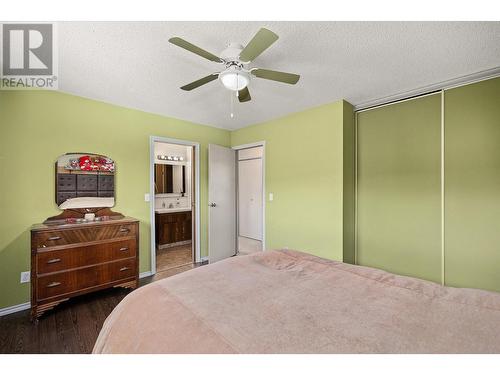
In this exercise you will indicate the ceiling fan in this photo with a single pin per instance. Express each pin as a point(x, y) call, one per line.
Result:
point(236, 76)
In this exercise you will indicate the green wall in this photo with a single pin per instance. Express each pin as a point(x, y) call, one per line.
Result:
point(472, 185)
point(309, 168)
point(304, 161)
point(38, 126)
point(399, 188)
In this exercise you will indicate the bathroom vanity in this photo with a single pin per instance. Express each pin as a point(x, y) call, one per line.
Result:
point(173, 227)
point(172, 177)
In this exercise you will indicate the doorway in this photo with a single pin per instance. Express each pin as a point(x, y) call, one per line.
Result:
point(250, 199)
point(174, 197)
point(233, 202)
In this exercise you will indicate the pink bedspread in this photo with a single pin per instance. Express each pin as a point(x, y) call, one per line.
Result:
point(289, 302)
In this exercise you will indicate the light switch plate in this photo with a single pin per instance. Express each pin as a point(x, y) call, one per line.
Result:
point(146, 197)
point(271, 197)
point(25, 277)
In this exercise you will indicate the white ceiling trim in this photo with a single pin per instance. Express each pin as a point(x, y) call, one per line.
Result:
point(445, 85)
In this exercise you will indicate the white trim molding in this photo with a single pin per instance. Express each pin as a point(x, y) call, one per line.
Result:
point(144, 274)
point(250, 145)
point(197, 231)
point(443, 85)
point(27, 305)
point(16, 308)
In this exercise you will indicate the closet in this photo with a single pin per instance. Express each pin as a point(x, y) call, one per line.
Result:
point(472, 186)
point(428, 186)
point(399, 187)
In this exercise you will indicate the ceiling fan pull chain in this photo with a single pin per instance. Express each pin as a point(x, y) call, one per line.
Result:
point(232, 104)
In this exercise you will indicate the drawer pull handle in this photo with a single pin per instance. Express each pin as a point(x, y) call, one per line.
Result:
point(55, 260)
point(123, 248)
point(124, 230)
point(53, 284)
point(55, 238)
point(123, 269)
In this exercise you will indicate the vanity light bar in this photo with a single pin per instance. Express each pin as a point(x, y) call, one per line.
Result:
point(170, 157)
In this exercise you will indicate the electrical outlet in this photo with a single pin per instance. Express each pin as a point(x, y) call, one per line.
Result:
point(25, 277)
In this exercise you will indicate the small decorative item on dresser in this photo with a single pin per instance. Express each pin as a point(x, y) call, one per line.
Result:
point(89, 216)
point(73, 258)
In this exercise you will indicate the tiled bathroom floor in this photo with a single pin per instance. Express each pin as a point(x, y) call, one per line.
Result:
point(173, 257)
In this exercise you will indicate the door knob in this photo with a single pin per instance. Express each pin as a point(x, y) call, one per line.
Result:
point(212, 205)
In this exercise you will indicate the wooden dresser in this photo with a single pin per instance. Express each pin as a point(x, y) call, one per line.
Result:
point(70, 259)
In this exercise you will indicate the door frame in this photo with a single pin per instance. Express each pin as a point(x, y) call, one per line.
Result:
point(196, 194)
point(242, 147)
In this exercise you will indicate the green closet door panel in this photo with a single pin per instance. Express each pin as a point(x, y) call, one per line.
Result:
point(472, 186)
point(399, 188)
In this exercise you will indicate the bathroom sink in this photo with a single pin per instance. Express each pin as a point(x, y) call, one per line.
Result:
point(174, 209)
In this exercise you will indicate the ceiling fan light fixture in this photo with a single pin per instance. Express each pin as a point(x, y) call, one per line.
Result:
point(234, 79)
point(236, 76)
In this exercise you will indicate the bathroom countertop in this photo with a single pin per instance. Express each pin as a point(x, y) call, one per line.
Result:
point(171, 210)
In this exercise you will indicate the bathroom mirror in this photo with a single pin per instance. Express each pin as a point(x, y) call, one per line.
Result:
point(85, 180)
point(170, 179)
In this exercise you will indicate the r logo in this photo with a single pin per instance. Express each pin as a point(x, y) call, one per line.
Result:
point(27, 49)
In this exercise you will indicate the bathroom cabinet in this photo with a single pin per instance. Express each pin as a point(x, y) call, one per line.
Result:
point(172, 228)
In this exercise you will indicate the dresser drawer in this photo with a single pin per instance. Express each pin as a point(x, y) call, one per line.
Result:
point(48, 261)
point(59, 284)
point(84, 234)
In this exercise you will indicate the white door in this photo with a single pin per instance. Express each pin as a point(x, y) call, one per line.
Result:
point(221, 202)
point(250, 198)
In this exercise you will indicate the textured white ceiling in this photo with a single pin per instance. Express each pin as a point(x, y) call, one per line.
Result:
point(132, 64)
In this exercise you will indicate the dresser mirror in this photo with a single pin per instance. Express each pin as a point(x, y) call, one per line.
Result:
point(85, 180)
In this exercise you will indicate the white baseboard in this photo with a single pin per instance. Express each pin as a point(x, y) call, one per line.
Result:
point(13, 309)
point(145, 274)
point(27, 305)
point(204, 259)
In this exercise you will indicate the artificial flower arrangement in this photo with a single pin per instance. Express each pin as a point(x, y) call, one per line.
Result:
point(92, 163)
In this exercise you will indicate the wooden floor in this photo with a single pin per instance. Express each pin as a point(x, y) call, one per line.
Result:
point(173, 257)
point(71, 327)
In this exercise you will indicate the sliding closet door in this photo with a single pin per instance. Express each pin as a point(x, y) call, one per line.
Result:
point(399, 188)
point(472, 188)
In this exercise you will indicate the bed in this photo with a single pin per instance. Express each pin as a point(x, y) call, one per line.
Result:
point(285, 301)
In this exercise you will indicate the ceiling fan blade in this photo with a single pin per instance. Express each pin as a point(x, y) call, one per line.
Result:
point(200, 82)
point(273, 75)
point(194, 49)
point(244, 95)
point(259, 43)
